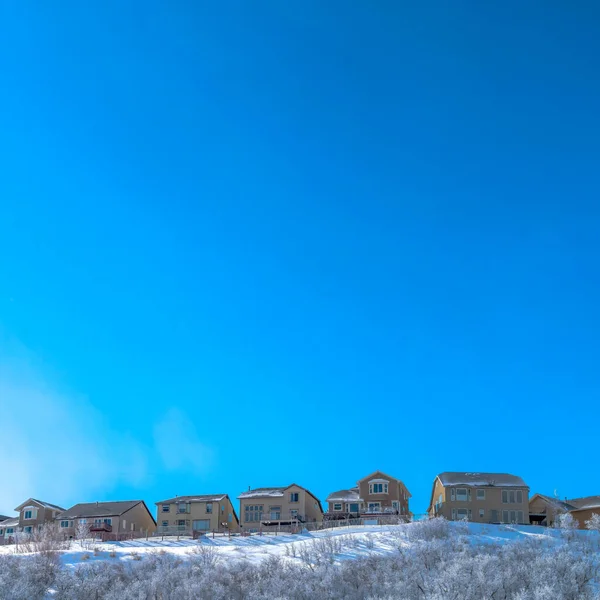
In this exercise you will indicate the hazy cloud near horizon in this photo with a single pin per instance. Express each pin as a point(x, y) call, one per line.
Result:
point(50, 450)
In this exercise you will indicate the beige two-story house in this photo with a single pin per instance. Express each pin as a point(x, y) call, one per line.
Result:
point(375, 494)
point(108, 520)
point(35, 513)
point(190, 515)
point(480, 497)
point(275, 507)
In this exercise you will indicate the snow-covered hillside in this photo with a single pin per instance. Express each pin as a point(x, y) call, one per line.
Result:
point(433, 560)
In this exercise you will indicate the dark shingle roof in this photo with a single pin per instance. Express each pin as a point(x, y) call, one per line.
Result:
point(481, 479)
point(560, 504)
point(98, 509)
point(199, 498)
point(3, 518)
point(48, 505)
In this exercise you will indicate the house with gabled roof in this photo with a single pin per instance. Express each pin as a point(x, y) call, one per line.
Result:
point(109, 520)
point(480, 497)
point(584, 508)
point(543, 510)
point(274, 507)
point(374, 495)
point(194, 515)
point(34, 513)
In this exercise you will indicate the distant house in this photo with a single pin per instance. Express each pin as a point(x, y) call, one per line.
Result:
point(375, 494)
point(543, 510)
point(34, 513)
point(585, 508)
point(480, 497)
point(110, 520)
point(8, 528)
point(188, 515)
point(278, 506)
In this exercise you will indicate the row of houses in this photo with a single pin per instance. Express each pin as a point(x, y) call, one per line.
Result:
point(478, 497)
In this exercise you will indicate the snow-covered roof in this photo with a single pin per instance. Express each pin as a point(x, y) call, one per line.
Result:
point(273, 492)
point(350, 495)
point(193, 499)
point(560, 504)
point(12, 522)
point(585, 503)
point(481, 479)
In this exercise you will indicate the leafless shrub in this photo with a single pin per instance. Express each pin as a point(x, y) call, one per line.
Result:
point(205, 556)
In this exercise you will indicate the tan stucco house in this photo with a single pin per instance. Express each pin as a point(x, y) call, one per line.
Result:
point(375, 494)
point(272, 507)
point(189, 515)
point(480, 497)
point(543, 510)
point(109, 520)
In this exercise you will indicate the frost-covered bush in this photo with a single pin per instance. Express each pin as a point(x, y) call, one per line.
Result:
point(593, 523)
point(431, 529)
point(438, 564)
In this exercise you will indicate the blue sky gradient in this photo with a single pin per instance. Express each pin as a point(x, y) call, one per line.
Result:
point(297, 241)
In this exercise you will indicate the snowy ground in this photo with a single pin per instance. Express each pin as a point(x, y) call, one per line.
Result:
point(353, 542)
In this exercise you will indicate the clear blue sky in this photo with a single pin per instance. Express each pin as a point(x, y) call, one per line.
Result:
point(297, 241)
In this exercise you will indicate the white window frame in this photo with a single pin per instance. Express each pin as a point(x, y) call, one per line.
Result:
point(165, 523)
point(338, 506)
point(357, 504)
point(165, 508)
point(395, 504)
point(481, 513)
point(10, 530)
point(480, 495)
point(371, 506)
point(209, 508)
point(294, 497)
point(63, 526)
point(294, 513)
point(467, 495)
point(32, 513)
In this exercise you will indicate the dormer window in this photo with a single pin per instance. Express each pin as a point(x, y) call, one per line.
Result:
point(378, 488)
point(29, 513)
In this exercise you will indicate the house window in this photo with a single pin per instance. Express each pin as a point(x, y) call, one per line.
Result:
point(294, 496)
point(275, 512)
point(181, 523)
point(102, 521)
point(253, 513)
point(462, 494)
point(378, 488)
point(337, 506)
point(209, 507)
point(27, 529)
point(481, 513)
point(374, 506)
point(294, 513)
point(395, 504)
point(182, 507)
point(201, 525)
point(480, 494)
point(83, 521)
point(353, 507)
point(1, 532)
point(64, 524)
point(512, 496)
point(28, 514)
point(9, 530)
point(166, 508)
point(459, 514)
point(165, 523)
